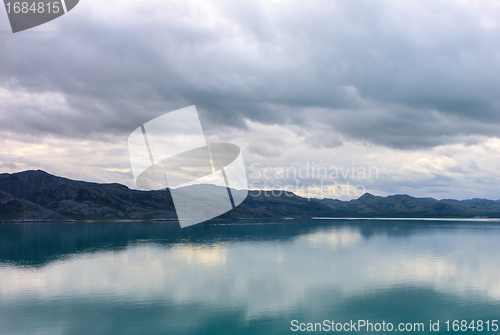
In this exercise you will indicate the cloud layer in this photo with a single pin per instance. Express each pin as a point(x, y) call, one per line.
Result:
point(386, 74)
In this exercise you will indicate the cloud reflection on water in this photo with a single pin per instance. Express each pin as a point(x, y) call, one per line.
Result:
point(269, 276)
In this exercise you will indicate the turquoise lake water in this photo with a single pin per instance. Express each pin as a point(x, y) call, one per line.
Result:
point(247, 277)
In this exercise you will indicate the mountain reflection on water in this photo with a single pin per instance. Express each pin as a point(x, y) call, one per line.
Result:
point(243, 277)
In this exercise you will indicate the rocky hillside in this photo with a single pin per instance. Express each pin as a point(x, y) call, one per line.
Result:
point(78, 200)
point(14, 209)
point(39, 196)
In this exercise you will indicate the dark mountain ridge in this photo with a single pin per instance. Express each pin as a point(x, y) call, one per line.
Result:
point(404, 205)
point(39, 196)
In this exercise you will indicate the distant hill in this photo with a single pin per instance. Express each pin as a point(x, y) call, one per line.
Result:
point(403, 206)
point(39, 196)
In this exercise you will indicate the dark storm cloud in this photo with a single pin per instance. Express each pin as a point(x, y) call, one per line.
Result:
point(392, 73)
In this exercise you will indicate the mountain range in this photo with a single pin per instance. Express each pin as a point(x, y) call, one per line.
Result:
point(40, 196)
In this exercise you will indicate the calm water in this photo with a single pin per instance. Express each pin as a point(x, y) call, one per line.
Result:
point(244, 277)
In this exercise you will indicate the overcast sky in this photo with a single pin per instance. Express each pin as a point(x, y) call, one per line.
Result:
point(410, 88)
